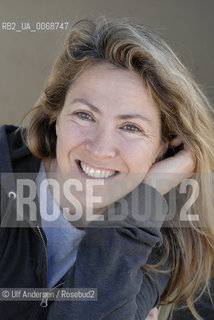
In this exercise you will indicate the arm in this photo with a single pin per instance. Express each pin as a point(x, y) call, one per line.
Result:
point(110, 259)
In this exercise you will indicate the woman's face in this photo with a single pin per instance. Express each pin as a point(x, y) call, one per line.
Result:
point(109, 130)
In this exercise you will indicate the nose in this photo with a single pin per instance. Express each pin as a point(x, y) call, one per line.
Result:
point(102, 145)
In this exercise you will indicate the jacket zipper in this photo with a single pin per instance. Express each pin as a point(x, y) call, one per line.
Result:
point(44, 245)
point(44, 301)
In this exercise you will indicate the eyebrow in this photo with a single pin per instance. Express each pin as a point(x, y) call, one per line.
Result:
point(123, 117)
point(90, 105)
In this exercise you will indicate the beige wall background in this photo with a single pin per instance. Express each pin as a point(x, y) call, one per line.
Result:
point(26, 57)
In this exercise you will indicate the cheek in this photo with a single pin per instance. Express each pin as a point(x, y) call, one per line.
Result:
point(68, 139)
point(138, 157)
point(70, 135)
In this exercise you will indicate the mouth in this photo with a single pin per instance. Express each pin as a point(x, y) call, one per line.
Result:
point(96, 173)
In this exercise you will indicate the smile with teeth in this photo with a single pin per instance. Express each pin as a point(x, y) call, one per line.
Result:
point(96, 173)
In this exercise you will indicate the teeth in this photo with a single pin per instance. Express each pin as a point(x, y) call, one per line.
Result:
point(91, 172)
point(97, 173)
point(106, 175)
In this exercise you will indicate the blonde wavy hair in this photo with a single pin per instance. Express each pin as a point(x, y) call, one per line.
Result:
point(184, 109)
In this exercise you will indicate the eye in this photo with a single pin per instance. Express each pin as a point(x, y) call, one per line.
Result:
point(132, 128)
point(83, 115)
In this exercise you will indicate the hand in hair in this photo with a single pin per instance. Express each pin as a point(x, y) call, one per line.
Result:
point(168, 173)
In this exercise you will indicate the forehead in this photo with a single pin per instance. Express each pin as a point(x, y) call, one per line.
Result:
point(106, 73)
point(119, 90)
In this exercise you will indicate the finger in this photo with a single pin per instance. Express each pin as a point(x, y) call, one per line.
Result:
point(186, 148)
point(187, 160)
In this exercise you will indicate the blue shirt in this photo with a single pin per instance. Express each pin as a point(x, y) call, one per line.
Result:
point(62, 237)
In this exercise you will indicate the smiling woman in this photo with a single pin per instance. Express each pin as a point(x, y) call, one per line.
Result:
point(105, 130)
point(120, 113)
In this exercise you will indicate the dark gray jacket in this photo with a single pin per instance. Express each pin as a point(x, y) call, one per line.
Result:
point(109, 259)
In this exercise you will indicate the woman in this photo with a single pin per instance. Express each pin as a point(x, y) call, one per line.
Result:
point(116, 99)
